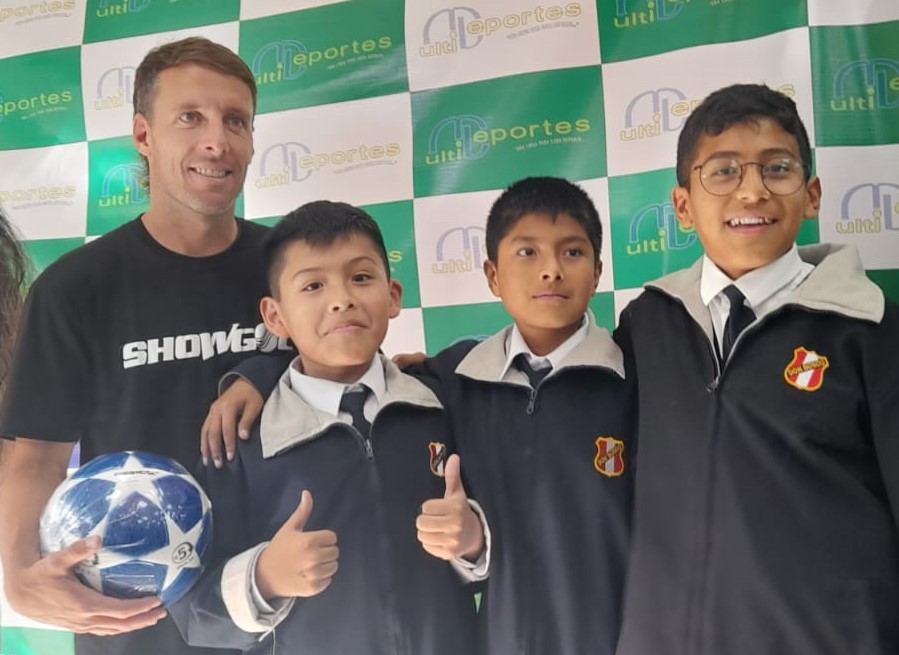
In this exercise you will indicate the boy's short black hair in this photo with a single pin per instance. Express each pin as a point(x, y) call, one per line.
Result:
point(732, 105)
point(551, 196)
point(318, 223)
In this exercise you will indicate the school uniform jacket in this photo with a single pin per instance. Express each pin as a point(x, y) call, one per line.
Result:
point(388, 597)
point(766, 506)
point(552, 469)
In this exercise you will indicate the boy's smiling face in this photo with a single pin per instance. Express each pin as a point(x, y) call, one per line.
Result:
point(334, 302)
point(750, 227)
point(545, 274)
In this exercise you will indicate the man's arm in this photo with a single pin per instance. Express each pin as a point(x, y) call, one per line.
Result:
point(242, 394)
point(45, 589)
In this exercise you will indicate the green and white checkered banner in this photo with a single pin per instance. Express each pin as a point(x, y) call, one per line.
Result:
point(422, 111)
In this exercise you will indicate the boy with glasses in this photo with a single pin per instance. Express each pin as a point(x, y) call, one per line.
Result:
point(768, 376)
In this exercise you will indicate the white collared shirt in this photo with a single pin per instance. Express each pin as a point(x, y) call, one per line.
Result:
point(765, 288)
point(325, 395)
point(517, 346)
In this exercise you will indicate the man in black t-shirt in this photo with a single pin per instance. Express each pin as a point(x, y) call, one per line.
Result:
point(122, 341)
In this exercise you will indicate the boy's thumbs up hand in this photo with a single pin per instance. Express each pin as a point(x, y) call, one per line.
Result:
point(296, 562)
point(447, 527)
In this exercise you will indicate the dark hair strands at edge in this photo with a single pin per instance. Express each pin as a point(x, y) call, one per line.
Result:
point(15, 273)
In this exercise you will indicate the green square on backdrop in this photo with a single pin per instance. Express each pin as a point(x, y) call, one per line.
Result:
point(105, 20)
point(855, 79)
point(329, 54)
point(397, 226)
point(40, 99)
point(445, 326)
point(115, 194)
point(485, 135)
point(638, 28)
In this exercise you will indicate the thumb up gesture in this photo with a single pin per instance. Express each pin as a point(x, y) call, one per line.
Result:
point(447, 527)
point(297, 562)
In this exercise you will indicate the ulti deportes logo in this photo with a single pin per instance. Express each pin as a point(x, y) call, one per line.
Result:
point(115, 88)
point(635, 13)
point(280, 164)
point(460, 250)
point(108, 8)
point(38, 195)
point(658, 111)
point(462, 28)
point(668, 234)
point(121, 186)
point(203, 345)
point(33, 10)
point(35, 105)
point(444, 32)
point(655, 111)
point(288, 59)
point(869, 208)
point(470, 137)
point(286, 163)
point(866, 85)
point(274, 61)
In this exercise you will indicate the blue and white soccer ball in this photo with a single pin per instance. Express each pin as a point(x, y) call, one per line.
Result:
point(154, 519)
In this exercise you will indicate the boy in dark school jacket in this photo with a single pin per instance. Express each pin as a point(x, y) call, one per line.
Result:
point(543, 421)
point(768, 375)
point(366, 443)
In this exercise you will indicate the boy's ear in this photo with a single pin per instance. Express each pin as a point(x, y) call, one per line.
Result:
point(597, 273)
point(396, 298)
point(680, 198)
point(813, 197)
point(490, 273)
point(140, 131)
point(271, 316)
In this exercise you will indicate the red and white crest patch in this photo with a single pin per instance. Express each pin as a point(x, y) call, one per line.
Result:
point(437, 450)
point(609, 458)
point(806, 370)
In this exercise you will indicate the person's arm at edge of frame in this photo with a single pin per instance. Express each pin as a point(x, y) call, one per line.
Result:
point(45, 589)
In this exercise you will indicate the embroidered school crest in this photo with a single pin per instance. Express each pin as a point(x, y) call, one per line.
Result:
point(609, 458)
point(438, 457)
point(806, 370)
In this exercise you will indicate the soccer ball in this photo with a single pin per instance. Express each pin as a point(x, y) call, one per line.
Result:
point(154, 519)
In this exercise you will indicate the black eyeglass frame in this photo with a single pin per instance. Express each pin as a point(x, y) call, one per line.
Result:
point(742, 166)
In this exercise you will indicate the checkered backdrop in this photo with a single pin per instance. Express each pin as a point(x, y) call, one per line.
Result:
point(422, 111)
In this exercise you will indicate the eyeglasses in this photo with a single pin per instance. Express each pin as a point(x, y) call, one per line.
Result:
point(721, 176)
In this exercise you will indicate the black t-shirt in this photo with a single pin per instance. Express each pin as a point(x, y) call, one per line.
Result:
point(123, 342)
point(121, 347)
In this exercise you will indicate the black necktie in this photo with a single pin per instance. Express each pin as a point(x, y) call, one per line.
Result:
point(737, 319)
point(352, 403)
point(534, 375)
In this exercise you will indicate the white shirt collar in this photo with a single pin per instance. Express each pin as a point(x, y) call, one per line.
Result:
point(758, 285)
point(516, 345)
point(325, 395)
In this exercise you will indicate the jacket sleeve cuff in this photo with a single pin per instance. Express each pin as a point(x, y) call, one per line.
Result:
point(479, 569)
point(246, 607)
